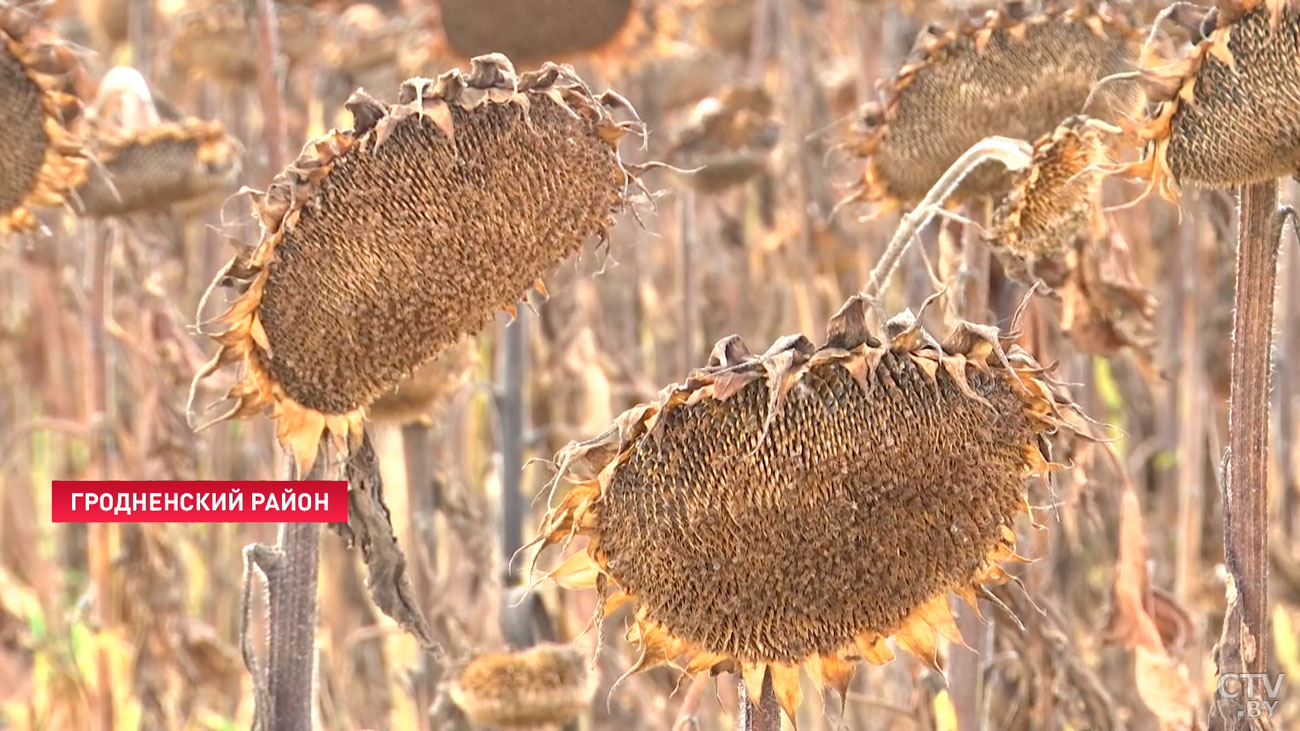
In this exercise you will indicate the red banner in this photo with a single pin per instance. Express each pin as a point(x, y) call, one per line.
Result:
point(211, 501)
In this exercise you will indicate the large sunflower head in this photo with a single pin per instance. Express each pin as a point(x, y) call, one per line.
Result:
point(800, 507)
point(167, 164)
point(40, 160)
point(1008, 73)
point(1227, 113)
point(543, 687)
point(384, 244)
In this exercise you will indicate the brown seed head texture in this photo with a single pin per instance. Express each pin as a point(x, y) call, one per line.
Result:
point(1229, 113)
point(532, 31)
point(1056, 197)
point(385, 244)
point(169, 164)
point(39, 159)
point(802, 506)
point(543, 686)
point(1008, 74)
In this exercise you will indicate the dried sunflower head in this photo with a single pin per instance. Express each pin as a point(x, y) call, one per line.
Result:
point(168, 164)
point(40, 159)
point(1229, 113)
point(365, 39)
point(533, 31)
point(218, 42)
point(800, 507)
point(428, 388)
point(730, 137)
point(545, 687)
point(1056, 198)
point(384, 244)
point(1009, 73)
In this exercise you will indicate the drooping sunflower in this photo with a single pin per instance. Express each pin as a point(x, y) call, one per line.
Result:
point(1009, 73)
point(384, 244)
point(729, 139)
point(160, 166)
point(798, 508)
point(40, 159)
point(1228, 113)
point(1057, 197)
point(542, 687)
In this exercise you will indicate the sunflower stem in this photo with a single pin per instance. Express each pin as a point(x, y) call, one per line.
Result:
point(291, 571)
point(510, 416)
point(766, 715)
point(268, 83)
point(139, 18)
point(424, 494)
point(1013, 154)
point(99, 376)
point(1243, 645)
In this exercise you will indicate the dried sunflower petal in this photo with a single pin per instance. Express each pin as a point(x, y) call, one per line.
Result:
point(385, 244)
point(169, 164)
point(40, 159)
point(1007, 74)
point(1229, 113)
point(543, 686)
point(800, 507)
